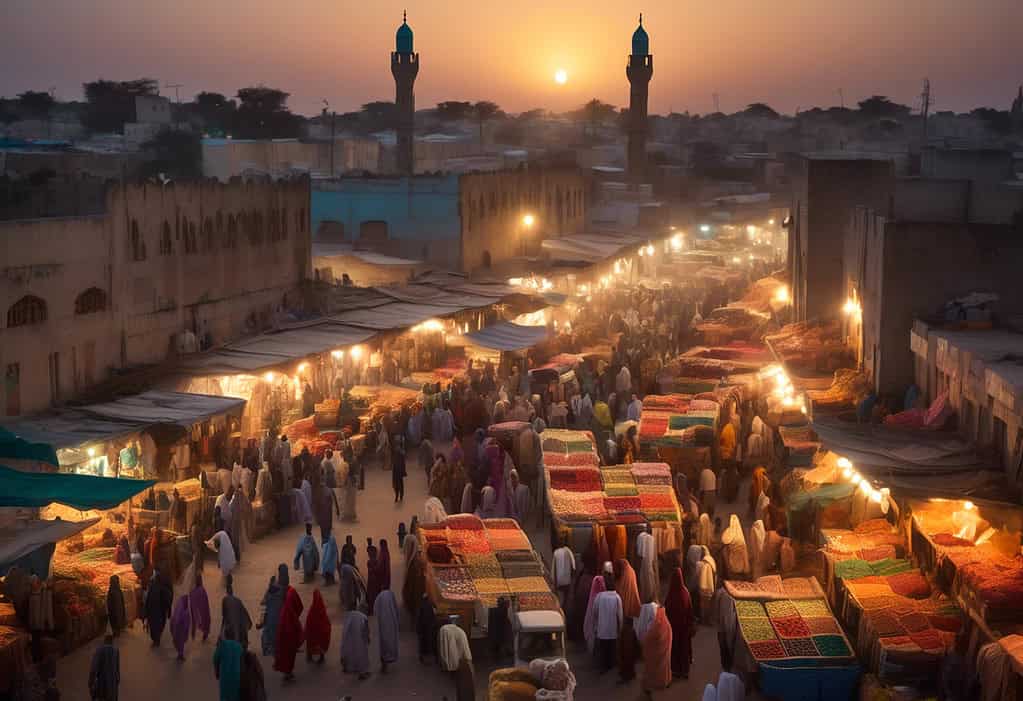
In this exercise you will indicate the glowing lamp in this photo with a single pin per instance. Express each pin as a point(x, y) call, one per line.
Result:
point(844, 463)
point(705, 228)
point(856, 479)
point(337, 355)
point(302, 367)
point(782, 295)
point(90, 451)
point(875, 496)
point(770, 222)
point(528, 220)
point(969, 506)
point(864, 487)
point(650, 249)
point(356, 352)
point(269, 377)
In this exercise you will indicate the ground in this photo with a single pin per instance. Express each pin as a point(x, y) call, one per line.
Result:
point(155, 674)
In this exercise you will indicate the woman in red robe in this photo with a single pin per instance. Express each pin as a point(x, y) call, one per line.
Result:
point(678, 606)
point(657, 653)
point(289, 634)
point(317, 629)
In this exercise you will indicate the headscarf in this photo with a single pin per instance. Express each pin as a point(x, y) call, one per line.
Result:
point(602, 413)
point(710, 693)
point(736, 551)
point(590, 620)
point(646, 618)
point(705, 531)
point(283, 578)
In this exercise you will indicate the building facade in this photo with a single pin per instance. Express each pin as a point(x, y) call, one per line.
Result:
point(85, 296)
point(825, 189)
point(460, 222)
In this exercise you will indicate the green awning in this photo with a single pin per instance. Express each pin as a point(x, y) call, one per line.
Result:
point(16, 448)
point(38, 489)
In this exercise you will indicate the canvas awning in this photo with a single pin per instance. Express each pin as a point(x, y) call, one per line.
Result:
point(37, 489)
point(397, 315)
point(72, 427)
point(17, 543)
point(507, 336)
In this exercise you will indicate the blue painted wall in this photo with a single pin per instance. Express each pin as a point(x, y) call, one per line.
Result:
point(417, 209)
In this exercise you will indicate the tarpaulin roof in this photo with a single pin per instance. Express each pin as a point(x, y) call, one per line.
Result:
point(588, 248)
point(20, 542)
point(397, 315)
point(71, 427)
point(14, 448)
point(38, 489)
point(429, 294)
point(507, 336)
point(272, 349)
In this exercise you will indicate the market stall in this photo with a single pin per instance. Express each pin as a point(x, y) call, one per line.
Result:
point(782, 632)
point(590, 504)
point(680, 430)
point(471, 562)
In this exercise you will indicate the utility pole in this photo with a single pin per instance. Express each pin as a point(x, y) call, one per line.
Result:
point(176, 86)
point(717, 105)
point(841, 98)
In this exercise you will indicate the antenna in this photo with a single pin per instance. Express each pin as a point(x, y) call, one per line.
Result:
point(717, 104)
point(925, 105)
point(176, 86)
point(841, 98)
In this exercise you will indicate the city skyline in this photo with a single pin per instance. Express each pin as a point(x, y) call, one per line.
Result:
point(793, 56)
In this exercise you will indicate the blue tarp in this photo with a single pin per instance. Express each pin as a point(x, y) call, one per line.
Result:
point(38, 489)
point(16, 448)
point(507, 336)
point(798, 681)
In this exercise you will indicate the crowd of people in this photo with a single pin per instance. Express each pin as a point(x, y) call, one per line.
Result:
point(619, 615)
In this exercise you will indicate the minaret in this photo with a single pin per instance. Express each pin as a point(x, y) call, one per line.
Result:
point(639, 72)
point(404, 68)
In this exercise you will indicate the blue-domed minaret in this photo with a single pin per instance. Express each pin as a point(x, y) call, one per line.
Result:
point(405, 68)
point(640, 70)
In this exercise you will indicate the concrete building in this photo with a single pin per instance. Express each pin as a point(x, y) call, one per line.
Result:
point(936, 240)
point(405, 68)
point(224, 159)
point(982, 165)
point(825, 189)
point(86, 296)
point(981, 373)
point(639, 72)
point(460, 222)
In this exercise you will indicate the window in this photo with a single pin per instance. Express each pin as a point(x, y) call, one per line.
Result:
point(26, 311)
point(166, 242)
point(138, 244)
point(91, 301)
point(12, 389)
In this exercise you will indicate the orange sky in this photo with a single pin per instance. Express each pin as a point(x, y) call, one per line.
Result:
point(788, 53)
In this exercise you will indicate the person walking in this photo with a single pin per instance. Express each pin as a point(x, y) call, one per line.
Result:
point(272, 603)
point(308, 554)
point(235, 621)
point(157, 606)
point(105, 671)
point(116, 611)
point(355, 644)
point(609, 617)
point(227, 666)
point(678, 607)
point(181, 624)
point(199, 608)
point(290, 635)
point(328, 559)
point(386, 609)
point(398, 471)
point(317, 629)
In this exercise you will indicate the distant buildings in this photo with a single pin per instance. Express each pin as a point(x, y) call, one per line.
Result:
point(280, 158)
point(81, 297)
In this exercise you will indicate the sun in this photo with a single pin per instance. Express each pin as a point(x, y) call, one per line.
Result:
point(561, 76)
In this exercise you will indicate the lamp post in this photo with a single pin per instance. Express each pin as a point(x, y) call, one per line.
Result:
point(527, 223)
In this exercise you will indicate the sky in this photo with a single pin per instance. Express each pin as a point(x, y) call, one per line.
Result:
point(791, 54)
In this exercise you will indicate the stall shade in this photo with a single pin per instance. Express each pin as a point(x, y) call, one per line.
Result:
point(508, 336)
point(35, 490)
point(17, 544)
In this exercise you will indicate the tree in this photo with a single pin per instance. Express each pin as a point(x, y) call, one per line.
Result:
point(453, 111)
point(998, 121)
point(880, 107)
point(483, 111)
point(380, 115)
point(174, 153)
point(36, 103)
point(263, 114)
point(533, 114)
point(215, 110)
point(594, 113)
point(759, 109)
point(111, 103)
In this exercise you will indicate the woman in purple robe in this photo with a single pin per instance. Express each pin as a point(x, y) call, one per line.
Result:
point(181, 624)
point(199, 607)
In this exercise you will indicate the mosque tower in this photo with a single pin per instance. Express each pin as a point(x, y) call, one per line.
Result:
point(639, 72)
point(404, 68)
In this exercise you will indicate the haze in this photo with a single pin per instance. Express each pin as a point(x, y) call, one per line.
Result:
point(787, 53)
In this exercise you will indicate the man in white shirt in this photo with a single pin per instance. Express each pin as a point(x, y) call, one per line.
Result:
point(708, 490)
point(452, 646)
point(609, 621)
point(564, 567)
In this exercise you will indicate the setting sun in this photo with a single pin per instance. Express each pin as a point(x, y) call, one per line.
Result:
point(561, 76)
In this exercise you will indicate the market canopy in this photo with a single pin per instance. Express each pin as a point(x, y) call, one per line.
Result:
point(17, 543)
point(507, 336)
point(14, 448)
point(74, 426)
point(37, 489)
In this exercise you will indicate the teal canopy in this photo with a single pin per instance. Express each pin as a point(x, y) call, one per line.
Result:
point(16, 448)
point(38, 489)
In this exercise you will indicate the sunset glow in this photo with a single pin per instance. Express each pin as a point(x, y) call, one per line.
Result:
point(561, 76)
